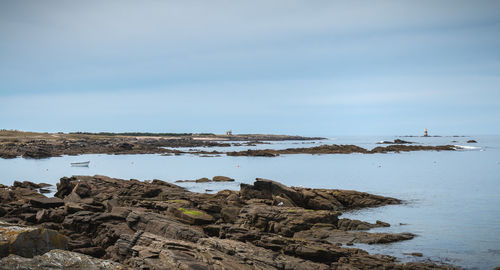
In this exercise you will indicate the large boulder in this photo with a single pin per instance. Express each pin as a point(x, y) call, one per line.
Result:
point(28, 241)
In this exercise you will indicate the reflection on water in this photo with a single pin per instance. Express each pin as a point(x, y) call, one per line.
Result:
point(452, 198)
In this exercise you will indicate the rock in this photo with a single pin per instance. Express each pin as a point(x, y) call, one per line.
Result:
point(125, 146)
point(283, 220)
point(229, 214)
point(163, 226)
point(266, 189)
point(471, 141)
point(38, 152)
point(28, 241)
point(396, 141)
point(340, 236)
point(191, 216)
point(157, 225)
point(222, 179)
point(151, 193)
point(42, 215)
point(65, 187)
point(70, 208)
point(46, 202)
point(396, 148)
point(203, 180)
point(96, 252)
point(25, 184)
point(155, 252)
point(415, 254)
point(316, 199)
point(354, 224)
point(255, 153)
point(44, 190)
point(59, 259)
point(82, 189)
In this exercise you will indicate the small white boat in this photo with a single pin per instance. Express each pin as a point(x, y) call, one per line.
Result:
point(80, 164)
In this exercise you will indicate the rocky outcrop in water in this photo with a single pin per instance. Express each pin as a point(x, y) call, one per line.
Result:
point(43, 145)
point(396, 141)
point(341, 149)
point(158, 225)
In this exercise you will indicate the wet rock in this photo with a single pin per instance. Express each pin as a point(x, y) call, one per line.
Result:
point(471, 141)
point(28, 241)
point(396, 148)
point(25, 184)
point(415, 254)
point(255, 153)
point(346, 224)
point(59, 259)
point(222, 179)
point(396, 141)
point(340, 236)
point(203, 180)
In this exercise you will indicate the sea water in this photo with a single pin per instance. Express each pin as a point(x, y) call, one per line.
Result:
point(451, 198)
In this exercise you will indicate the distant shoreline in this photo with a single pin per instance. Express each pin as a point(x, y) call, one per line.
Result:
point(43, 145)
point(35, 145)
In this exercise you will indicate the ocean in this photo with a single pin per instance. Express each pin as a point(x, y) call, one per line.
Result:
point(451, 198)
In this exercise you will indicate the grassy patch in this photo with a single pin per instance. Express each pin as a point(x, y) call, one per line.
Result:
point(190, 212)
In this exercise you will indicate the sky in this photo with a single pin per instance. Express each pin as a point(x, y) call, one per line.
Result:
point(326, 68)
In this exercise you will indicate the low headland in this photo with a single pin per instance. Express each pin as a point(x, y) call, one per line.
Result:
point(44, 145)
point(98, 222)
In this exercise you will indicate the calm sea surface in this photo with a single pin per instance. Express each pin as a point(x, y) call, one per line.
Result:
point(452, 198)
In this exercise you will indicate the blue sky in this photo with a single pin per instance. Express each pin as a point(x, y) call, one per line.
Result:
point(294, 67)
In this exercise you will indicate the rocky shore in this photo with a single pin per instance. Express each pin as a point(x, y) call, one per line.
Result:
point(105, 223)
point(341, 149)
point(43, 145)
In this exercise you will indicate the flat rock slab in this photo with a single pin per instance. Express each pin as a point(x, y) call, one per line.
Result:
point(46, 202)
